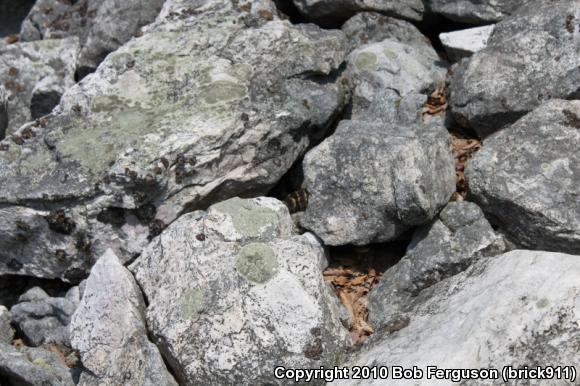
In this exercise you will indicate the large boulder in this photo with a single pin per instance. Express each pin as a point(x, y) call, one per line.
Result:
point(379, 175)
point(518, 309)
point(526, 178)
point(34, 76)
point(475, 11)
point(531, 57)
point(233, 293)
point(459, 237)
point(110, 332)
point(190, 113)
point(43, 319)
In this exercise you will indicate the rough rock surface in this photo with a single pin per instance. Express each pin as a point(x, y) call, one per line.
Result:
point(32, 366)
point(375, 178)
point(44, 319)
point(456, 239)
point(110, 332)
point(464, 43)
point(333, 11)
point(532, 190)
point(531, 56)
point(6, 331)
point(518, 309)
point(205, 117)
point(236, 276)
point(35, 75)
point(475, 11)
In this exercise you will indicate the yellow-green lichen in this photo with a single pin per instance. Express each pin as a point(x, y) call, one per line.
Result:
point(366, 61)
point(191, 303)
point(249, 219)
point(257, 263)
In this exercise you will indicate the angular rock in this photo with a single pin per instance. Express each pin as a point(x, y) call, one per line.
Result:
point(406, 67)
point(531, 57)
point(189, 113)
point(43, 319)
point(35, 75)
point(455, 240)
point(526, 178)
point(475, 11)
point(237, 276)
point(110, 333)
point(333, 12)
point(32, 366)
point(6, 331)
point(378, 176)
point(464, 43)
point(518, 309)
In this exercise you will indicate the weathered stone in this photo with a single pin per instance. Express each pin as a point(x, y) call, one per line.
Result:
point(526, 177)
point(531, 57)
point(236, 276)
point(459, 237)
point(6, 331)
point(475, 11)
point(333, 12)
point(110, 333)
point(43, 319)
point(32, 366)
point(375, 178)
point(187, 114)
point(464, 43)
point(35, 76)
point(518, 309)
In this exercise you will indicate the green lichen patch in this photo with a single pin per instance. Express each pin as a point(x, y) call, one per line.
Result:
point(257, 263)
point(366, 61)
point(42, 363)
point(542, 303)
point(191, 303)
point(248, 218)
point(222, 91)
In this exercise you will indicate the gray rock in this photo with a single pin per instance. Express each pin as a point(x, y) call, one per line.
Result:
point(531, 56)
point(35, 76)
point(464, 43)
point(237, 276)
point(43, 319)
point(526, 177)
point(110, 333)
point(3, 111)
point(518, 309)
point(455, 240)
point(190, 113)
point(32, 366)
point(475, 11)
point(335, 11)
point(6, 331)
point(375, 178)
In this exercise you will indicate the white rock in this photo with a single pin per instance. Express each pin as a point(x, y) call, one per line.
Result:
point(462, 44)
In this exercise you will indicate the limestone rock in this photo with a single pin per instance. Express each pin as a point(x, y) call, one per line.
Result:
point(531, 57)
point(459, 237)
point(464, 43)
point(532, 189)
point(376, 177)
point(110, 332)
point(518, 309)
point(189, 113)
point(475, 11)
point(237, 276)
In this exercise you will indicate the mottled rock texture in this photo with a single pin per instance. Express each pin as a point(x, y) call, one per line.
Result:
point(233, 293)
point(6, 330)
point(531, 57)
point(189, 113)
point(518, 309)
point(526, 178)
point(476, 11)
point(110, 333)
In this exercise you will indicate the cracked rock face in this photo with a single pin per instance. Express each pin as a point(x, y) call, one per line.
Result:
point(517, 309)
point(237, 276)
point(459, 237)
point(531, 57)
point(34, 76)
point(139, 142)
point(379, 175)
point(532, 190)
point(109, 330)
point(476, 11)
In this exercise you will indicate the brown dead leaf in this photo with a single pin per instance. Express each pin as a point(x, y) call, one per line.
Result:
point(436, 103)
point(462, 150)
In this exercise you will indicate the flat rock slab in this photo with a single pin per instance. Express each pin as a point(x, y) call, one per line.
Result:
point(532, 56)
point(464, 43)
point(526, 178)
point(517, 309)
point(233, 293)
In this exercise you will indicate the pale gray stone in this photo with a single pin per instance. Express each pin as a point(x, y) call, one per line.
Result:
point(233, 293)
point(110, 332)
point(475, 11)
point(464, 43)
point(6, 330)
